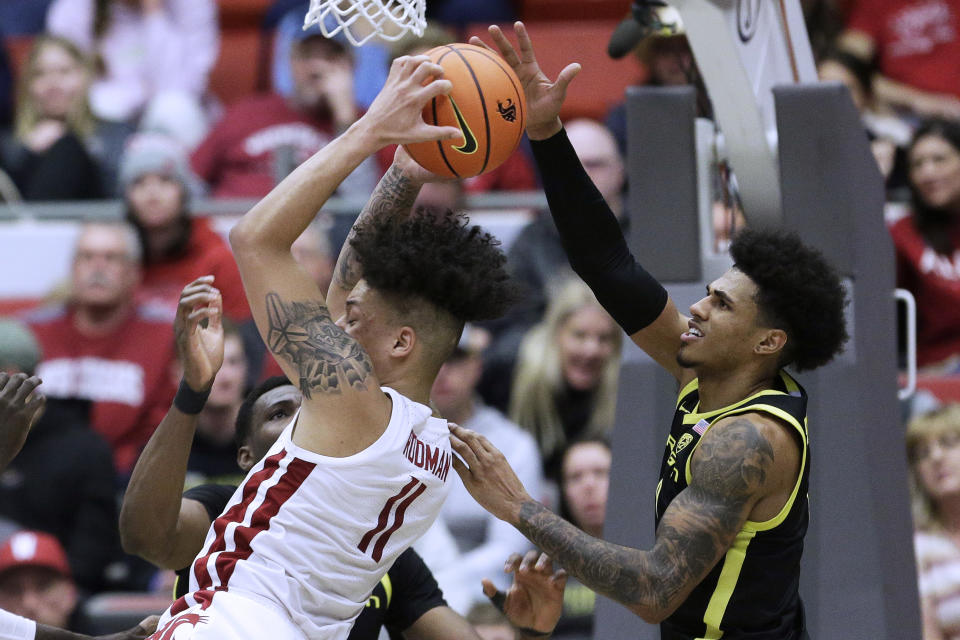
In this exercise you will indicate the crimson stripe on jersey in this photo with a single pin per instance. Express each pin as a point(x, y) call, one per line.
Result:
point(291, 480)
point(384, 514)
point(233, 514)
point(397, 522)
point(203, 598)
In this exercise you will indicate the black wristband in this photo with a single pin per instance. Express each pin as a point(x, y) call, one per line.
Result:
point(189, 401)
point(533, 633)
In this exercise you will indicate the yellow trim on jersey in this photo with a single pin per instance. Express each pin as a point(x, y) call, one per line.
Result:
point(387, 587)
point(690, 386)
point(732, 566)
point(775, 521)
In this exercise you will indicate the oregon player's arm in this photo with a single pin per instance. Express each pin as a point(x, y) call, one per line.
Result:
point(331, 369)
point(738, 463)
point(590, 233)
point(155, 522)
point(393, 198)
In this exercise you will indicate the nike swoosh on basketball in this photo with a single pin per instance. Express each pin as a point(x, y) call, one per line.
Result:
point(469, 140)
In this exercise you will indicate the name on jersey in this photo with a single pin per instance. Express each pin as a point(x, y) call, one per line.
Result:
point(432, 459)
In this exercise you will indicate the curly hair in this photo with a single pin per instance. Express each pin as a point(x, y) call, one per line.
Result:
point(934, 224)
point(797, 291)
point(436, 257)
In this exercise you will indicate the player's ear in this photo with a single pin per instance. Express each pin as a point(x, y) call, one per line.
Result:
point(405, 340)
point(773, 342)
point(245, 458)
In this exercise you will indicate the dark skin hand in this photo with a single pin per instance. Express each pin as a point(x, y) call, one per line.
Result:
point(146, 628)
point(20, 407)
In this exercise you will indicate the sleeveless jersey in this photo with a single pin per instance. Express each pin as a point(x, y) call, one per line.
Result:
point(311, 535)
point(752, 592)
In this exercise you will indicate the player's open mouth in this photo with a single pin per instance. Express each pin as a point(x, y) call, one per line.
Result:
point(691, 334)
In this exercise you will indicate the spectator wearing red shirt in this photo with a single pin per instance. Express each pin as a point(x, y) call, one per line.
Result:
point(261, 139)
point(101, 346)
point(927, 243)
point(916, 47)
point(177, 248)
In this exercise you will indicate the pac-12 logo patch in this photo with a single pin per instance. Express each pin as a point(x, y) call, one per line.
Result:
point(507, 111)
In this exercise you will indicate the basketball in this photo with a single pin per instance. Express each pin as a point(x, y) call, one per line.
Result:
point(486, 103)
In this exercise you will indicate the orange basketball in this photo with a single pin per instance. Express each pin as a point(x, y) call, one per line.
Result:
point(486, 103)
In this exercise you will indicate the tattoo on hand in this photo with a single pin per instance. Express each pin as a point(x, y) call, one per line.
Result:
point(694, 534)
point(326, 358)
point(394, 196)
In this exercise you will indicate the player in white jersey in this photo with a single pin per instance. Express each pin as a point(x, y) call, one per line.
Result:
point(362, 470)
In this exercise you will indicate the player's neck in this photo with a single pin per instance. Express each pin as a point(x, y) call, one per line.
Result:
point(725, 388)
point(415, 389)
point(96, 321)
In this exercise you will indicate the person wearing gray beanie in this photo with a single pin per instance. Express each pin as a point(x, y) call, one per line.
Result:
point(19, 350)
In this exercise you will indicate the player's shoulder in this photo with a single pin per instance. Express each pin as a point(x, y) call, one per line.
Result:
point(752, 428)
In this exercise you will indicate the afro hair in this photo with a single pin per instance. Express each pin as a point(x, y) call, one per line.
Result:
point(797, 291)
point(437, 257)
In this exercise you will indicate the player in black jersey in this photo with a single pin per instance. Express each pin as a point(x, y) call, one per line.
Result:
point(732, 498)
point(168, 529)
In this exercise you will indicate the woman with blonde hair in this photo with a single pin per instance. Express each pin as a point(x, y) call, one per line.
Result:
point(565, 386)
point(46, 155)
point(933, 448)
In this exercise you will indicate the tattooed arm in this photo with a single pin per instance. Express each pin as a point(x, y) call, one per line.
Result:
point(343, 406)
point(393, 198)
point(744, 467)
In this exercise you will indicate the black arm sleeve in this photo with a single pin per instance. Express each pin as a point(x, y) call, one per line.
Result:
point(593, 240)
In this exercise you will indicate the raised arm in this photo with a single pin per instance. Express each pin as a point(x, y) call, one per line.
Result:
point(741, 462)
point(393, 198)
point(331, 369)
point(590, 233)
point(156, 523)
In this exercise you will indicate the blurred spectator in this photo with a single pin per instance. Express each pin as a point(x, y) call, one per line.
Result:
point(47, 156)
point(213, 455)
point(261, 139)
point(585, 480)
point(933, 447)
point(666, 55)
point(101, 346)
point(177, 248)
point(566, 382)
point(927, 243)
point(155, 58)
point(489, 623)
point(35, 579)
point(916, 47)
point(371, 62)
point(889, 135)
point(483, 540)
point(537, 259)
point(63, 481)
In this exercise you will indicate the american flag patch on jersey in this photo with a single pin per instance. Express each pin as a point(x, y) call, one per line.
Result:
point(701, 426)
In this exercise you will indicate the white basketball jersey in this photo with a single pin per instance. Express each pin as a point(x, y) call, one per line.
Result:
point(312, 535)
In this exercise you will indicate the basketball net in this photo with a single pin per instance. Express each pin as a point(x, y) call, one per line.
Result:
point(360, 20)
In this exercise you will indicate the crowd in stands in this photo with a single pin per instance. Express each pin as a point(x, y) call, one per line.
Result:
point(117, 99)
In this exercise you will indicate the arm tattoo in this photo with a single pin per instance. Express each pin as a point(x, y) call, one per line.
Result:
point(696, 531)
point(326, 358)
point(394, 196)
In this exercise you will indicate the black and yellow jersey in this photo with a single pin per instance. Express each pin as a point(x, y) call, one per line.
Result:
point(752, 593)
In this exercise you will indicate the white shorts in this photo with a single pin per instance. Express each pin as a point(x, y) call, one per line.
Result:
point(228, 617)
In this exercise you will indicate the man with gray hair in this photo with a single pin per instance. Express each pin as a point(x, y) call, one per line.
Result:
point(102, 347)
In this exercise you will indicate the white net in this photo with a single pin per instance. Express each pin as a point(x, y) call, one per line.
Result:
point(360, 20)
